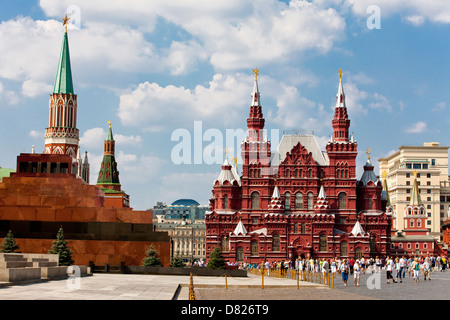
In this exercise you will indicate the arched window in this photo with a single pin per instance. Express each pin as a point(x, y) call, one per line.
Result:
point(287, 173)
point(295, 227)
point(323, 242)
point(276, 242)
point(303, 228)
point(298, 201)
point(240, 254)
point(254, 247)
point(225, 202)
point(225, 244)
point(344, 249)
point(255, 200)
point(358, 253)
point(287, 201)
point(310, 201)
point(342, 200)
point(370, 204)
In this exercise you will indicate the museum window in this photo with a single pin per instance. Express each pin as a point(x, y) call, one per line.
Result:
point(310, 201)
point(287, 201)
point(255, 200)
point(303, 228)
point(254, 249)
point(344, 249)
point(225, 244)
point(276, 242)
point(358, 253)
point(295, 227)
point(298, 201)
point(342, 200)
point(240, 254)
point(323, 242)
point(225, 202)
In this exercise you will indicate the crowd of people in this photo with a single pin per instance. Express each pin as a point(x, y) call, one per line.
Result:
point(396, 268)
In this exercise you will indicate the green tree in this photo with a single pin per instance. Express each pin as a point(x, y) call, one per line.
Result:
point(152, 259)
point(216, 261)
point(176, 262)
point(9, 243)
point(60, 248)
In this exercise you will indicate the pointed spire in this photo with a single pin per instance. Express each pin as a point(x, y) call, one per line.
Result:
point(340, 97)
point(322, 202)
point(240, 229)
point(63, 82)
point(357, 229)
point(255, 93)
point(109, 136)
point(276, 205)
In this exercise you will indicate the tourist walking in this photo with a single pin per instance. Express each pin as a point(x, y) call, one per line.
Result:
point(427, 269)
point(345, 269)
point(415, 267)
point(389, 270)
point(356, 273)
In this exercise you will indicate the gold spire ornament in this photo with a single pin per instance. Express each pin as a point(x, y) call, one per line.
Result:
point(256, 72)
point(65, 21)
point(109, 123)
point(368, 153)
point(340, 74)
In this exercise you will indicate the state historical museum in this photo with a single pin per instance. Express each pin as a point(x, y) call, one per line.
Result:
point(298, 202)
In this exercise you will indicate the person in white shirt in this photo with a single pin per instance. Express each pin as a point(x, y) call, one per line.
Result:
point(389, 269)
point(357, 272)
point(426, 269)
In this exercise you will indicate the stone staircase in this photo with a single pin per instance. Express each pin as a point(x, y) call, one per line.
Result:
point(28, 267)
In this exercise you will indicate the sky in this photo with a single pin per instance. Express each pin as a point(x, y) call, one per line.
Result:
point(177, 75)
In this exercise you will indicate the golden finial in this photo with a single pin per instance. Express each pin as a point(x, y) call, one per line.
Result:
point(109, 123)
point(235, 161)
point(65, 21)
point(227, 150)
point(256, 72)
point(384, 174)
point(415, 173)
point(368, 153)
point(340, 74)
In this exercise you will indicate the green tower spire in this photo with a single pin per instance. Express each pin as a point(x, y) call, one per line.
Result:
point(108, 177)
point(63, 82)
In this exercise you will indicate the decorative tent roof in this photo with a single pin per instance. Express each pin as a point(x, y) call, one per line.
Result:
point(357, 229)
point(322, 202)
point(240, 229)
point(227, 174)
point(276, 203)
point(368, 174)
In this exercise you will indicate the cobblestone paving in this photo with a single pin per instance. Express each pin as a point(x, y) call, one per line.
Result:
point(372, 287)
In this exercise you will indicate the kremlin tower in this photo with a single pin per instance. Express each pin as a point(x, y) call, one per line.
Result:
point(62, 135)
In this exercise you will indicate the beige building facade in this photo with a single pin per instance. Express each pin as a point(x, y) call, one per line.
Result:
point(430, 163)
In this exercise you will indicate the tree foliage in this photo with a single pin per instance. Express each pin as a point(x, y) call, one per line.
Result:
point(216, 261)
point(152, 259)
point(61, 248)
point(9, 244)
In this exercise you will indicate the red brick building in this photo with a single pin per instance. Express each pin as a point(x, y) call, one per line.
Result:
point(299, 201)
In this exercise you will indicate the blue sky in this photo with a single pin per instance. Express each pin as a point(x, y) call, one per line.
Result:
point(155, 67)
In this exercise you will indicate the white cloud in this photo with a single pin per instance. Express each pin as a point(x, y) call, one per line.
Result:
point(415, 20)
point(36, 134)
point(416, 10)
point(152, 106)
point(418, 127)
point(233, 34)
point(32, 88)
point(94, 138)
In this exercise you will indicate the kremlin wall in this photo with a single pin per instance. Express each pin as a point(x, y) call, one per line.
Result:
point(51, 190)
